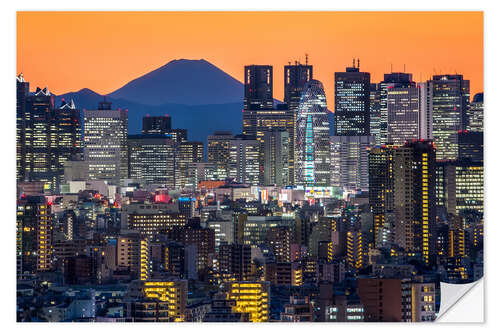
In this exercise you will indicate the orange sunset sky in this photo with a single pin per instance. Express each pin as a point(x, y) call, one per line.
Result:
point(67, 51)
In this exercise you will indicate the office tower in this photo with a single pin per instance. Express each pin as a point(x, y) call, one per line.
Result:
point(279, 240)
point(22, 92)
point(352, 102)
point(252, 230)
point(177, 134)
point(156, 124)
point(312, 160)
point(105, 143)
point(156, 300)
point(394, 80)
point(40, 139)
point(203, 238)
point(471, 146)
point(349, 162)
point(177, 259)
point(258, 87)
point(425, 113)
point(475, 114)
point(153, 159)
point(386, 300)
point(224, 231)
point(244, 160)
point(276, 157)
point(450, 101)
point(252, 298)
point(295, 77)
point(189, 152)
point(381, 192)
point(375, 112)
point(218, 148)
point(34, 236)
point(151, 219)
point(235, 262)
point(461, 186)
point(257, 122)
point(69, 137)
point(403, 114)
point(132, 254)
point(415, 199)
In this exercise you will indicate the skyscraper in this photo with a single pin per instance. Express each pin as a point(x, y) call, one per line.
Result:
point(415, 199)
point(352, 102)
point(312, 160)
point(450, 102)
point(276, 157)
point(244, 163)
point(475, 114)
point(394, 80)
point(218, 149)
point(40, 138)
point(153, 159)
point(375, 112)
point(189, 152)
point(258, 87)
point(296, 76)
point(22, 92)
point(425, 118)
point(252, 298)
point(349, 161)
point(105, 143)
point(156, 124)
point(402, 114)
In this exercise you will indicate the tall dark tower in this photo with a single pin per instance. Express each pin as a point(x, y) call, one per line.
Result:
point(22, 92)
point(258, 87)
point(296, 76)
point(352, 102)
point(156, 124)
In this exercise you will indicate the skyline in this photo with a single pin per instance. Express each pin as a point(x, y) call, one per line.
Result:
point(138, 43)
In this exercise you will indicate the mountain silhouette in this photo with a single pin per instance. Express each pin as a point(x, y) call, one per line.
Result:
point(187, 82)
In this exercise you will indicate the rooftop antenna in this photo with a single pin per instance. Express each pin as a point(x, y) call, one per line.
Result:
point(306, 58)
point(358, 63)
point(391, 67)
point(353, 63)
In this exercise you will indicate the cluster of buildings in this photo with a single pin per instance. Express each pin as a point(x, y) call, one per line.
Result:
point(283, 222)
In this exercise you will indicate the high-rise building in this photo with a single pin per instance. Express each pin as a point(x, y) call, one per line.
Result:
point(156, 124)
point(132, 254)
point(40, 139)
point(177, 134)
point(235, 262)
point(258, 87)
point(425, 115)
point(375, 112)
point(381, 193)
point(352, 102)
point(244, 164)
point(312, 157)
point(22, 92)
point(415, 199)
point(252, 298)
point(257, 122)
point(189, 152)
point(203, 238)
point(279, 240)
point(394, 80)
point(349, 162)
point(475, 114)
point(471, 146)
point(34, 227)
point(105, 143)
point(450, 101)
point(295, 77)
point(218, 148)
point(153, 159)
point(276, 145)
point(402, 114)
